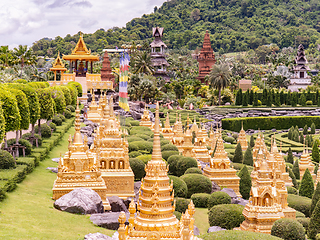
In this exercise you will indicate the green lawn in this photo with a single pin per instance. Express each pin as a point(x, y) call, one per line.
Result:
point(201, 220)
point(28, 211)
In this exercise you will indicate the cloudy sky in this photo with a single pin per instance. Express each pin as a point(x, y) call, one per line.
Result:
point(26, 21)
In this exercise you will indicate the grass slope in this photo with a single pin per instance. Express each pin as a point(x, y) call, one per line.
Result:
point(201, 220)
point(237, 234)
point(28, 212)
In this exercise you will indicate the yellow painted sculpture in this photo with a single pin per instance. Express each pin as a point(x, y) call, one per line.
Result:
point(220, 171)
point(305, 162)
point(242, 139)
point(200, 150)
point(187, 144)
point(178, 135)
point(145, 119)
point(259, 145)
point(93, 113)
point(112, 154)
point(79, 168)
point(167, 130)
point(194, 127)
point(155, 219)
point(264, 207)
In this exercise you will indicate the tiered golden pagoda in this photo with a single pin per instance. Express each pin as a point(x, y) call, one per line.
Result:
point(194, 127)
point(58, 66)
point(305, 162)
point(145, 119)
point(263, 208)
point(213, 140)
point(187, 144)
point(200, 150)
point(155, 219)
point(178, 135)
point(112, 153)
point(167, 130)
point(259, 145)
point(242, 139)
point(93, 113)
point(220, 171)
point(79, 168)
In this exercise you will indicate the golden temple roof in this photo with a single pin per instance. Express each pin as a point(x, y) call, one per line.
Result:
point(58, 65)
point(81, 52)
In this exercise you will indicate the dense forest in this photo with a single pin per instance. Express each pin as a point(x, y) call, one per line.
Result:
point(235, 25)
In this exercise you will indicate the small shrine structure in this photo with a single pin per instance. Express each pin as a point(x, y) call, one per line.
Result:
point(79, 168)
point(178, 135)
point(200, 150)
point(167, 130)
point(155, 218)
point(158, 58)
point(305, 162)
point(187, 144)
point(145, 119)
point(58, 67)
point(206, 58)
point(300, 77)
point(242, 139)
point(220, 171)
point(94, 114)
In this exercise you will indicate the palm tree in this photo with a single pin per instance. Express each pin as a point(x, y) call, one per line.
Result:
point(6, 57)
point(24, 56)
point(219, 77)
point(142, 63)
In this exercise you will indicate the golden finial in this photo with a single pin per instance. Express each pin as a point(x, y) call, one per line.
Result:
point(156, 154)
point(77, 135)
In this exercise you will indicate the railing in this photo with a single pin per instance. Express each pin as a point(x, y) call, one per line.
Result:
point(68, 77)
point(93, 77)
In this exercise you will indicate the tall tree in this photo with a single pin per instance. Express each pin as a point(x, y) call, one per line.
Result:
point(247, 158)
point(142, 63)
point(290, 156)
point(219, 77)
point(24, 56)
point(245, 182)
point(306, 188)
point(295, 169)
point(238, 155)
point(315, 198)
point(315, 152)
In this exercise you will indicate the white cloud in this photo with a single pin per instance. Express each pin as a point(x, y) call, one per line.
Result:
point(26, 21)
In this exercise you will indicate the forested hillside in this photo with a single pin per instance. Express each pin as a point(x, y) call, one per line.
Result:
point(235, 25)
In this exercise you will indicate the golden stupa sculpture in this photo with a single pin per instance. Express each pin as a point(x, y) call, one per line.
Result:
point(93, 113)
point(155, 219)
point(220, 171)
point(112, 154)
point(305, 162)
point(263, 208)
point(187, 144)
point(58, 66)
point(259, 145)
point(242, 139)
point(167, 131)
point(194, 127)
point(145, 118)
point(213, 140)
point(79, 168)
point(178, 135)
point(200, 150)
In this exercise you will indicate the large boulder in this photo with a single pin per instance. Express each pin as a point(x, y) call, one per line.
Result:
point(196, 231)
point(108, 220)
point(215, 187)
point(137, 186)
point(97, 236)
point(80, 201)
point(117, 204)
point(215, 229)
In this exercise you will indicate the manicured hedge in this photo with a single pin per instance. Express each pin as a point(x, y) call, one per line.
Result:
point(288, 229)
point(200, 200)
point(301, 204)
point(182, 204)
point(137, 167)
point(193, 170)
point(237, 235)
point(197, 183)
point(218, 198)
point(234, 124)
point(167, 154)
point(179, 186)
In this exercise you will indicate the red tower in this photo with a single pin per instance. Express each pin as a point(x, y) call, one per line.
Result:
point(106, 72)
point(206, 58)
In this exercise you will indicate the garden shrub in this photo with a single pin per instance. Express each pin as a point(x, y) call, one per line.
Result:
point(169, 147)
point(134, 139)
point(288, 229)
point(292, 190)
point(179, 186)
point(217, 198)
point(293, 177)
point(197, 183)
point(137, 167)
point(227, 216)
point(145, 158)
point(143, 136)
point(185, 163)
point(78, 87)
point(315, 198)
point(27, 135)
point(313, 228)
point(6, 160)
point(301, 204)
point(200, 200)
point(300, 214)
point(142, 146)
point(135, 123)
point(45, 130)
point(193, 170)
point(290, 156)
point(57, 121)
point(181, 204)
point(63, 118)
point(53, 126)
point(164, 142)
point(245, 182)
point(248, 158)
point(304, 222)
point(71, 108)
point(229, 139)
point(172, 161)
point(133, 147)
point(167, 154)
point(177, 214)
point(134, 154)
point(306, 188)
point(295, 169)
point(238, 155)
point(67, 114)
point(28, 146)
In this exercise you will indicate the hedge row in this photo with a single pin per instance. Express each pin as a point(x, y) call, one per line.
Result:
point(267, 123)
point(25, 165)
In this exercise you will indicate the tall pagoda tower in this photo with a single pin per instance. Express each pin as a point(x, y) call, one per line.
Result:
point(242, 139)
point(206, 58)
point(158, 58)
point(106, 71)
point(155, 219)
point(167, 130)
point(79, 168)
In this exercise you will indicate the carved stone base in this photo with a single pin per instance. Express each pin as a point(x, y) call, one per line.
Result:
point(289, 213)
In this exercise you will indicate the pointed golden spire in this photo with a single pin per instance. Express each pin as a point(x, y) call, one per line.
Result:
point(77, 139)
point(167, 125)
point(156, 153)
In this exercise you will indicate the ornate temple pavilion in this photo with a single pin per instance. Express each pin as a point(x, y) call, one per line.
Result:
point(81, 69)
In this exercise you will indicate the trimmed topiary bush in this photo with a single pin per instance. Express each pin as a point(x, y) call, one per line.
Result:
point(164, 142)
point(315, 198)
point(177, 214)
point(134, 154)
point(45, 130)
point(137, 167)
point(292, 190)
point(300, 214)
point(290, 156)
point(197, 183)
point(145, 158)
point(218, 198)
point(133, 139)
point(6, 160)
point(142, 136)
point(27, 135)
point(167, 154)
point(248, 158)
point(306, 188)
point(172, 161)
point(301, 204)
point(185, 163)
point(71, 108)
point(313, 228)
point(193, 170)
point(179, 186)
point(245, 182)
point(293, 177)
point(28, 146)
point(238, 155)
point(57, 120)
point(229, 139)
point(53, 126)
point(67, 114)
point(169, 147)
point(227, 216)
point(304, 222)
point(288, 229)
point(181, 204)
point(63, 118)
point(142, 146)
point(200, 200)
point(295, 170)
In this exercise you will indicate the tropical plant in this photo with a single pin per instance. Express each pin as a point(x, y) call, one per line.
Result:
point(219, 77)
